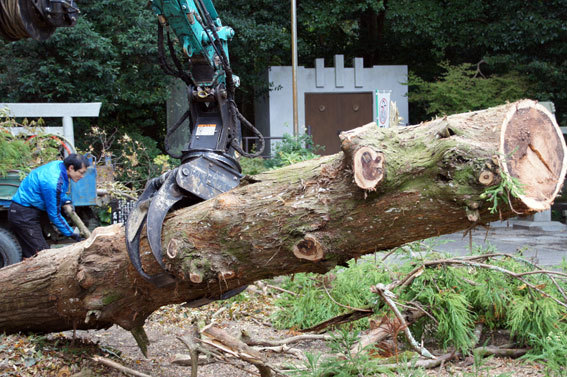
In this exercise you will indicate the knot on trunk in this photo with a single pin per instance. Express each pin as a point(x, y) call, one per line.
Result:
point(309, 248)
point(486, 178)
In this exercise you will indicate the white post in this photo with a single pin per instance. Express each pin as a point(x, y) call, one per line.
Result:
point(68, 132)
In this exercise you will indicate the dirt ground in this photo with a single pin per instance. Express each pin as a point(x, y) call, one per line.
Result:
point(165, 345)
point(59, 356)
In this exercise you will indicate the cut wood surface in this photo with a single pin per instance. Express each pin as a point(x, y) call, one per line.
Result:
point(417, 182)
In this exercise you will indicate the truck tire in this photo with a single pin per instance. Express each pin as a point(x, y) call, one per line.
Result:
point(10, 249)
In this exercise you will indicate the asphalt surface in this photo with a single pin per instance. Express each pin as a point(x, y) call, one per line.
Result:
point(545, 243)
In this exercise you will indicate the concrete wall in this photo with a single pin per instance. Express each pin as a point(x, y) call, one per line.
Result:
point(276, 112)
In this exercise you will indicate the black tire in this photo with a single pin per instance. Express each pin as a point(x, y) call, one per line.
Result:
point(10, 249)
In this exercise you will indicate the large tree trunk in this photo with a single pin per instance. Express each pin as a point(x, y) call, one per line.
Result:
point(388, 187)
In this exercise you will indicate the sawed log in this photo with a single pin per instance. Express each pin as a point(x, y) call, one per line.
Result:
point(386, 188)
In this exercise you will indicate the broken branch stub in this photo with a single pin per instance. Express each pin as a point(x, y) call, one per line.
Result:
point(368, 168)
point(309, 248)
point(486, 178)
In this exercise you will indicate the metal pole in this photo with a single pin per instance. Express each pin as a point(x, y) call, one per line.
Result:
point(294, 66)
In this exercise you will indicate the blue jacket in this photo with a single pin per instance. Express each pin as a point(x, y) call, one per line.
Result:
point(45, 188)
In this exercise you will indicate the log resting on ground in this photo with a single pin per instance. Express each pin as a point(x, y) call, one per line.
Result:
point(388, 187)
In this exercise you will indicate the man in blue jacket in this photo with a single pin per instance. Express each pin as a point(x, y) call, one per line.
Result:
point(44, 190)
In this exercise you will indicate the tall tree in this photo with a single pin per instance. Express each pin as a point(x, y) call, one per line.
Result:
point(109, 56)
point(525, 37)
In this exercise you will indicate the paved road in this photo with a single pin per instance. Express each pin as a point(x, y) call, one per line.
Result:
point(546, 244)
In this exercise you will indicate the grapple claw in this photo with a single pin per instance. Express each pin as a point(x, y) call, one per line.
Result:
point(201, 177)
point(133, 229)
point(166, 197)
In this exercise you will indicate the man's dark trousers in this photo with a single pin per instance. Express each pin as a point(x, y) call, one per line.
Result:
point(27, 227)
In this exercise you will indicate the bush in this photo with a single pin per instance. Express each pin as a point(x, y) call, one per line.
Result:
point(291, 150)
point(462, 88)
point(135, 158)
point(28, 151)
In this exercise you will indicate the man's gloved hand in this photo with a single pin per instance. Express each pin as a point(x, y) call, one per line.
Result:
point(76, 235)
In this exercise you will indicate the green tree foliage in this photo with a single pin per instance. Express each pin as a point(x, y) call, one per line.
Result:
point(109, 56)
point(519, 41)
point(513, 36)
point(456, 298)
point(27, 151)
point(134, 157)
point(263, 36)
point(291, 150)
point(463, 88)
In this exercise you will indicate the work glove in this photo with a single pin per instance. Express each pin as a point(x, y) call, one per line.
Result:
point(76, 235)
point(77, 238)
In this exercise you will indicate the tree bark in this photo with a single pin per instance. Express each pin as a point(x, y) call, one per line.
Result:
point(418, 182)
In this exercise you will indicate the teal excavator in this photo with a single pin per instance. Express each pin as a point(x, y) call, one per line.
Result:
point(208, 160)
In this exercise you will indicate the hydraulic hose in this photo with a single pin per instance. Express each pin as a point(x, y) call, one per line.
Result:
point(12, 27)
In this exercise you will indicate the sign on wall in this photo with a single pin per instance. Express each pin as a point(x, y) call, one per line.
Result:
point(383, 108)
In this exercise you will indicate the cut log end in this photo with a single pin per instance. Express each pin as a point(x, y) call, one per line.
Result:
point(486, 178)
point(368, 168)
point(532, 148)
point(195, 278)
point(309, 248)
point(173, 248)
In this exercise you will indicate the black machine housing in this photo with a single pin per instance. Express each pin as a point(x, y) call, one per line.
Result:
point(37, 19)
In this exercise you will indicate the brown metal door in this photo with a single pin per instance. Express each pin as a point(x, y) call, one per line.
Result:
point(328, 114)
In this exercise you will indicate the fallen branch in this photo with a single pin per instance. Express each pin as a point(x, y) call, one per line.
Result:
point(377, 335)
point(120, 367)
point(212, 352)
point(533, 265)
point(217, 313)
point(426, 364)
point(481, 351)
point(500, 351)
point(299, 354)
point(281, 342)
point(338, 320)
point(281, 289)
point(495, 268)
point(388, 296)
point(193, 351)
point(217, 338)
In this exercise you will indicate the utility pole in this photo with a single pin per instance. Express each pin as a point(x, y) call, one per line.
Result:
point(294, 65)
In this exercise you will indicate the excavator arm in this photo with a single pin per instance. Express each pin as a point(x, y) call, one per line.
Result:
point(37, 19)
point(208, 161)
